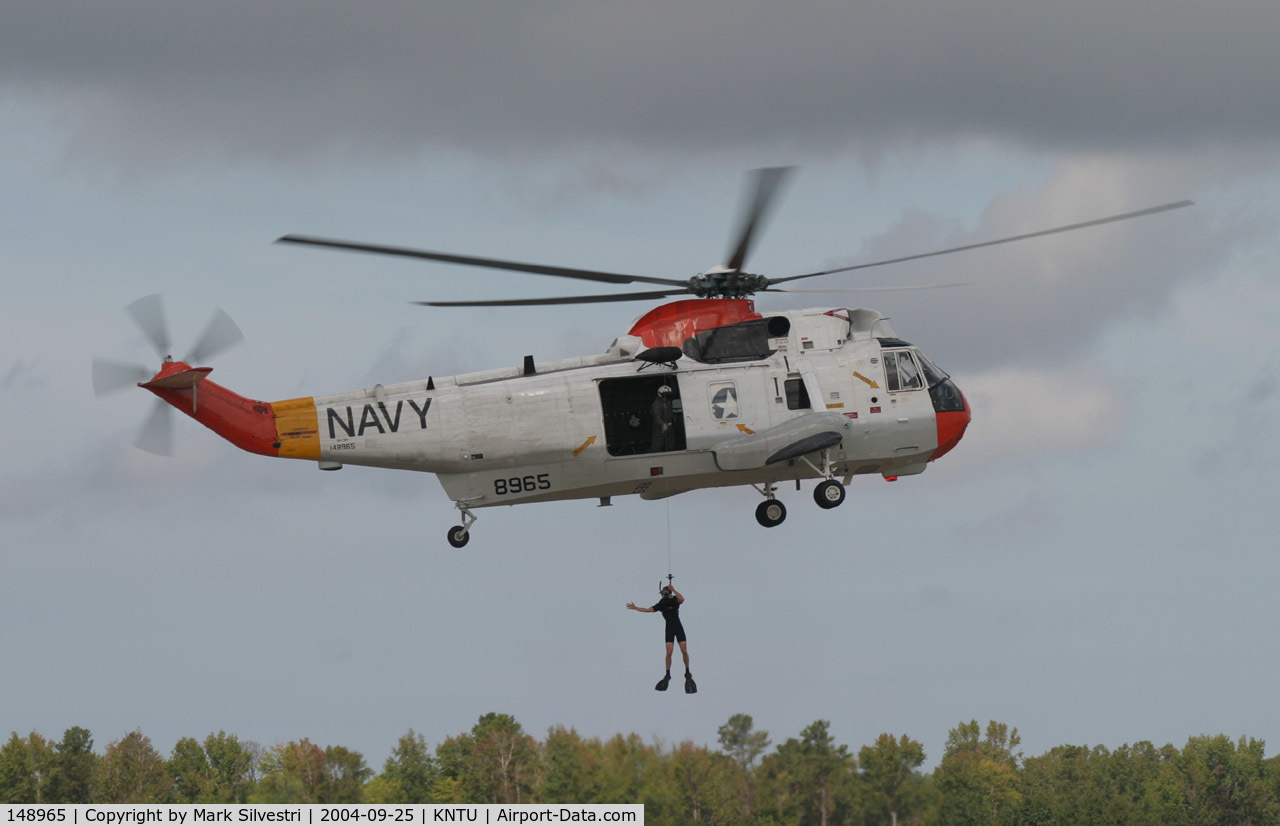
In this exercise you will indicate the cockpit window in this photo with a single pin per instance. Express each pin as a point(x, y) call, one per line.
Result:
point(946, 396)
point(908, 371)
point(900, 371)
point(932, 375)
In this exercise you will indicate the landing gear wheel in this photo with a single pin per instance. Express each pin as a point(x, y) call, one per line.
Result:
point(828, 494)
point(771, 512)
point(459, 536)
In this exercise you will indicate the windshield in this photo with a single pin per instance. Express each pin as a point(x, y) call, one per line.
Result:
point(942, 390)
point(932, 375)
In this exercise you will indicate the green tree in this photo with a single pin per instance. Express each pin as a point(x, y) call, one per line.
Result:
point(812, 780)
point(743, 745)
point(741, 742)
point(697, 777)
point(344, 775)
point(411, 772)
point(291, 773)
point(503, 759)
point(452, 757)
point(569, 767)
point(978, 777)
point(889, 768)
point(495, 763)
point(189, 772)
point(630, 770)
point(1071, 784)
point(131, 771)
point(302, 772)
point(1215, 781)
point(231, 768)
point(1130, 772)
point(15, 784)
point(27, 767)
point(74, 766)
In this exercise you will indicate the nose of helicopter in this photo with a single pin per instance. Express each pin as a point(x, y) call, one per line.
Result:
point(951, 427)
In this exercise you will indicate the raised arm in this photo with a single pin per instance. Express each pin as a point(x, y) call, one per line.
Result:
point(635, 607)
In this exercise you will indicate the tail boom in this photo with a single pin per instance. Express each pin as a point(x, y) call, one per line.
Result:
point(287, 429)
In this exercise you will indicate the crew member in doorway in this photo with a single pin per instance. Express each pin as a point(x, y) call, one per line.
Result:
point(669, 607)
point(663, 417)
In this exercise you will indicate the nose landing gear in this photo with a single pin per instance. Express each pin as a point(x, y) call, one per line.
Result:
point(829, 493)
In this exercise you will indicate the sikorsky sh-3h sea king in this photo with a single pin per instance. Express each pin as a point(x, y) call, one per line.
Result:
point(703, 392)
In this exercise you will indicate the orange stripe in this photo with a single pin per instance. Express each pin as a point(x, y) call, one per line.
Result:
point(297, 428)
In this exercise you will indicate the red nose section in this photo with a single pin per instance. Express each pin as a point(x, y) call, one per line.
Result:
point(951, 427)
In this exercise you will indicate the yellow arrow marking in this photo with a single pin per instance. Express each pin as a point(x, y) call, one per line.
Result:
point(858, 375)
point(746, 429)
point(588, 443)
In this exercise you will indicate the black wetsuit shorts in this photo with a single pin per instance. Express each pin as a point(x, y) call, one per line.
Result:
point(669, 607)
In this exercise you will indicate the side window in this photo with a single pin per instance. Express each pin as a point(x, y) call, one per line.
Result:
point(797, 395)
point(908, 371)
point(901, 371)
point(724, 400)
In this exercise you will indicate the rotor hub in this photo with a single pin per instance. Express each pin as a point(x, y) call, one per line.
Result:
point(727, 284)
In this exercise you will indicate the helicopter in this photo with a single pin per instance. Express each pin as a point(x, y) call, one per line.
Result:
point(700, 392)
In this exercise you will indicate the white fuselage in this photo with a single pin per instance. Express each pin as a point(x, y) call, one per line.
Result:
point(580, 428)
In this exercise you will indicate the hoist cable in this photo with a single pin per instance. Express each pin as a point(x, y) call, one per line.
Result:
point(669, 572)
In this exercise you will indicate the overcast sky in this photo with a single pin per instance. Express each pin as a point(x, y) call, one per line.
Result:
point(1093, 564)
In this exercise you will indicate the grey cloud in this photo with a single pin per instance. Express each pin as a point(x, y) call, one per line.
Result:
point(1263, 389)
point(1247, 414)
point(1038, 301)
point(295, 79)
point(21, 376)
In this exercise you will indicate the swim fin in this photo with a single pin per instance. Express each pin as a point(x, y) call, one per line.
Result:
point(690, 687)
point(663, 683)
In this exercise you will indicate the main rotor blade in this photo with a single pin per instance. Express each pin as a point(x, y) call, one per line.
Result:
point(219, 334)
point(766, 182)
point(471, 261)
point(110, 376)
point(1068, 228)
point(568, 299)
point(148, 313)
point(864, 289)
point(156, 435)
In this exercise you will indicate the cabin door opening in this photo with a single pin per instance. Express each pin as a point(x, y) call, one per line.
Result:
point(628, 413)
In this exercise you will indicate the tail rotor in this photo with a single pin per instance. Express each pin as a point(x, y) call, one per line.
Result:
point(220, 334)
point(148, 313)
point(110, 376)
point(156, 435)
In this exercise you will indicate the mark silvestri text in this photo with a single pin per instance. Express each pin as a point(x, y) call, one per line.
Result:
point(196, 814)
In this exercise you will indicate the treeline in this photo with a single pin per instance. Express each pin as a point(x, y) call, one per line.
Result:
point(982, 777)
